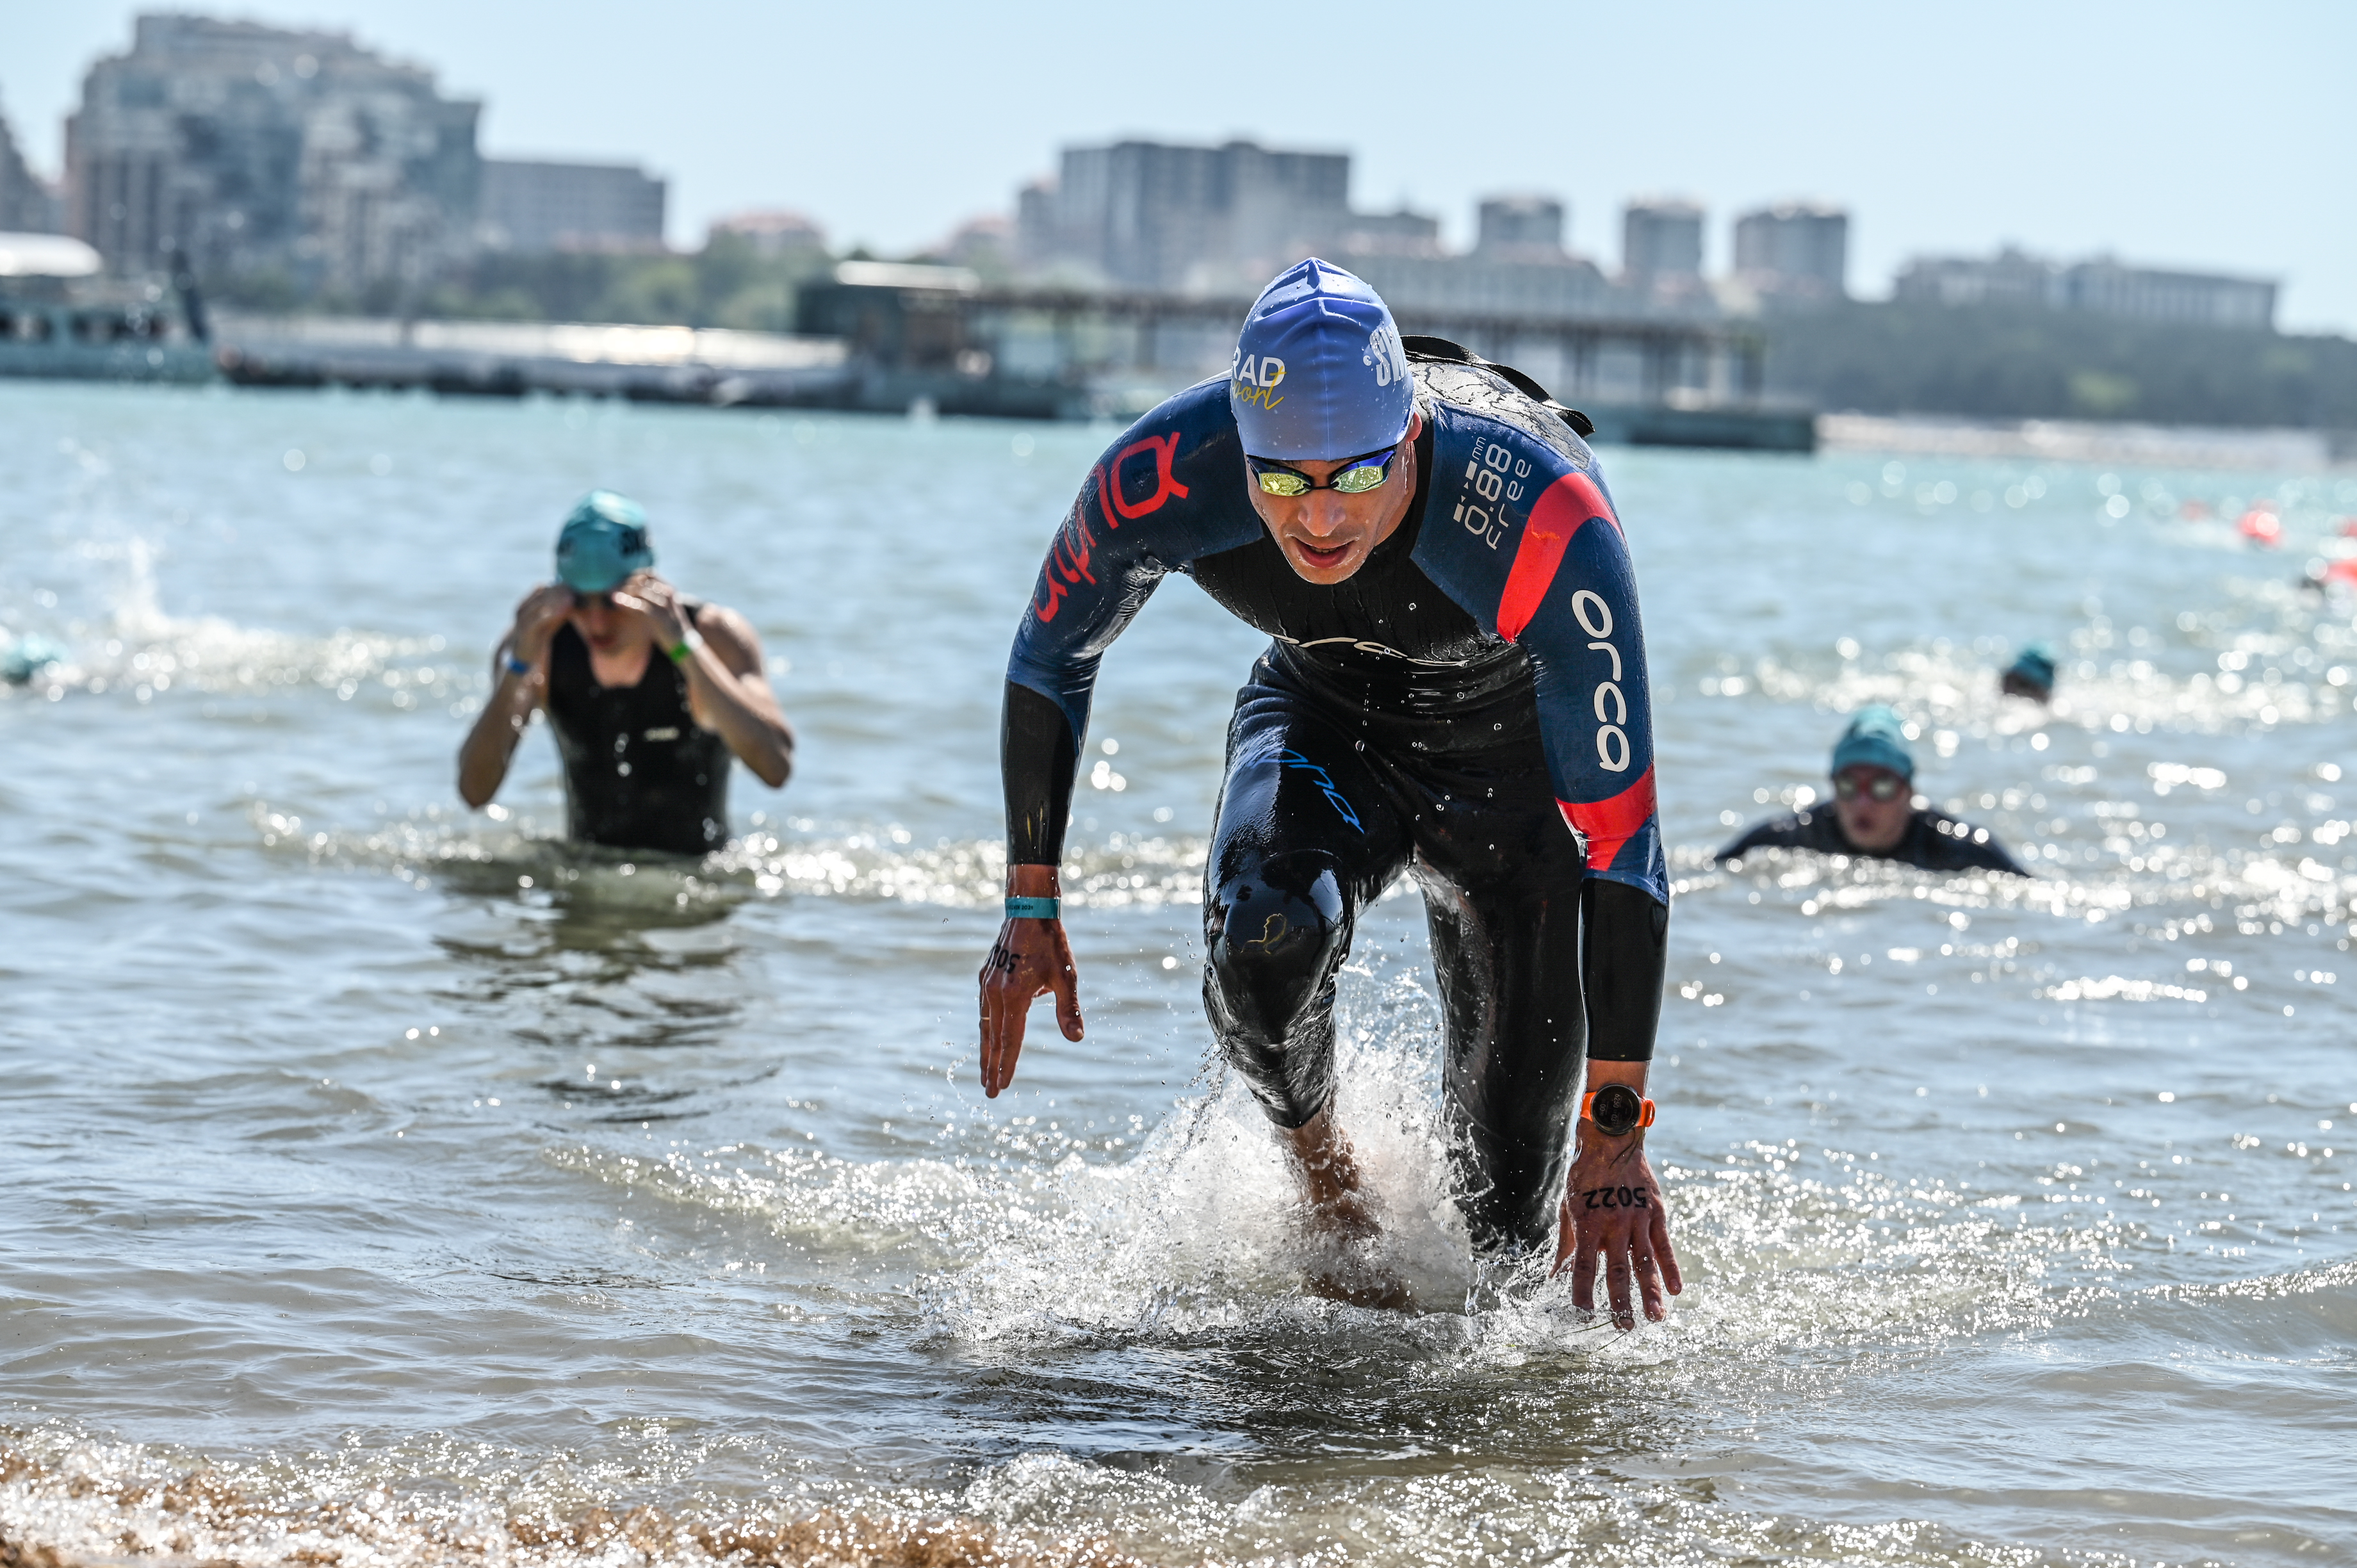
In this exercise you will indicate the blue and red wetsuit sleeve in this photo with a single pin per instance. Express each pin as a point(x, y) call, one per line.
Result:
point(1169, 491)
point(1570, 601)
point(1526, 538)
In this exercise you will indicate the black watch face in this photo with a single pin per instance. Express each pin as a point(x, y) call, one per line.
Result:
point(1616, 1109)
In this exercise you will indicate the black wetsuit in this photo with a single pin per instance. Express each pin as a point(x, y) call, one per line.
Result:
point(639, 773)
point(1468, 708)
point(1935, 841)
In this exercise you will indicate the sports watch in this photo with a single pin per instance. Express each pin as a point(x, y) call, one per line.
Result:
point(1617, 1109)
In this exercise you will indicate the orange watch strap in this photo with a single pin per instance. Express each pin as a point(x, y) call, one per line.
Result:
point(1644, 1108)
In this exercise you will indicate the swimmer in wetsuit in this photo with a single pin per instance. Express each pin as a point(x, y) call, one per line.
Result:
point(2029, 675)
point(1875, 811)
point(648, 691)
point(1454, 691)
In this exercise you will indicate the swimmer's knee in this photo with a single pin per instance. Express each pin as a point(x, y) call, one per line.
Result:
point(1276, 929)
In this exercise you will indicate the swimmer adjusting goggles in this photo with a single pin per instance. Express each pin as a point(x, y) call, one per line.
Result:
point(1356, 476)
point(1617, 1109)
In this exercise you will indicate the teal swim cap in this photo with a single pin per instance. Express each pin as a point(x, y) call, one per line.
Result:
point(1876, 737)
point(603, 541)
point(2036, 665)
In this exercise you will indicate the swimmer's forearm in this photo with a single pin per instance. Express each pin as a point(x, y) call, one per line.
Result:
point(755, 730)
point(490, 744)
point(1038, 756)
point(1625, 961)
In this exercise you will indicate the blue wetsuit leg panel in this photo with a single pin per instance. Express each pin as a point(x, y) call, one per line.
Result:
point(1305, 837)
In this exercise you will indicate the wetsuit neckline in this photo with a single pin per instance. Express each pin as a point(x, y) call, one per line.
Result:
point(686, 607)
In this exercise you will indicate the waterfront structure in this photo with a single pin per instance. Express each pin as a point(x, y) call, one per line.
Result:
point(2102, 286)
point(1794, 253)
point(263, 150)
point(1660, 243)
point(538, 205)
point(28, 205)
point(939, 337)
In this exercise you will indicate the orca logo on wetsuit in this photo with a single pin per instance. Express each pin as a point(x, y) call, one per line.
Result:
point(1294, 762)
point(1612, 741)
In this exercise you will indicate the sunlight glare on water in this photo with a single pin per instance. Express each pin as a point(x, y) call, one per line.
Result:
point(390, 1183)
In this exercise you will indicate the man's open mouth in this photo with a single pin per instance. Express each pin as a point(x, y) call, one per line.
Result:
point(1331, 555)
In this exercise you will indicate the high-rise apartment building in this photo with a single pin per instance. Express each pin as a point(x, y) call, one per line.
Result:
point(1518, 225)
point(1660, 243)
point(540, 206)
point(28, 205)
point(258, 149)
point(1146, 215)
point(1795, 252)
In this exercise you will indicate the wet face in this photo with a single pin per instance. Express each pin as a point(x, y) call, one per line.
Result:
point(604, 625)
point(1326, 535)
point(1867, 821)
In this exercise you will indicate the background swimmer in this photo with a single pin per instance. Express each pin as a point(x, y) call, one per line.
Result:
point(1875, 810)
point(646, 741)
point(2032, 674)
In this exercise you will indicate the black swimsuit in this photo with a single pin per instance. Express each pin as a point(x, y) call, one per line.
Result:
point(639, 772)
point(1935, 841)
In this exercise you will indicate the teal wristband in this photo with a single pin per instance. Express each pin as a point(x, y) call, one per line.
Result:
point(517, 666)
point(1035, 908)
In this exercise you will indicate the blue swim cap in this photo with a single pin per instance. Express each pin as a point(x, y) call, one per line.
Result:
point(1319, 372)
point(603, 541)
point(1876, 737)
point(2036, 665)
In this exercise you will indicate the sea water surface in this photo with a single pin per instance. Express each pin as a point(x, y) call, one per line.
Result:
point(384, 1183)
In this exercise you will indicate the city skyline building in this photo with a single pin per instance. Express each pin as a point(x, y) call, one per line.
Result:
point(262, 150)
point(774, 231)
point(541, 206)
point(27, 205)
point(1796, 252)
point(1155, 216)
point(2102, 286)
point(1529, 224)
point(1660, 243)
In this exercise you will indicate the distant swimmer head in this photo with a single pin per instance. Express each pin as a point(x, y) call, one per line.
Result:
point(2032, 674)
point(603, 542)
point(1318, 370)
point(1877, 738)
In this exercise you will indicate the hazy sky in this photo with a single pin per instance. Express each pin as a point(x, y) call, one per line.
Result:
point(2199, 135)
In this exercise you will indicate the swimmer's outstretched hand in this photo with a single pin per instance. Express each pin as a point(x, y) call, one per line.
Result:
point(1613, 1217)
point(1031, 958)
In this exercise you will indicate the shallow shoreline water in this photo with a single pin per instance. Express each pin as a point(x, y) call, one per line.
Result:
point(423, 1185)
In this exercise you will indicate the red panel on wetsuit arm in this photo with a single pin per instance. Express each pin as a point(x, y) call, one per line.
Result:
point(1608, 824)
point(1562, 509)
